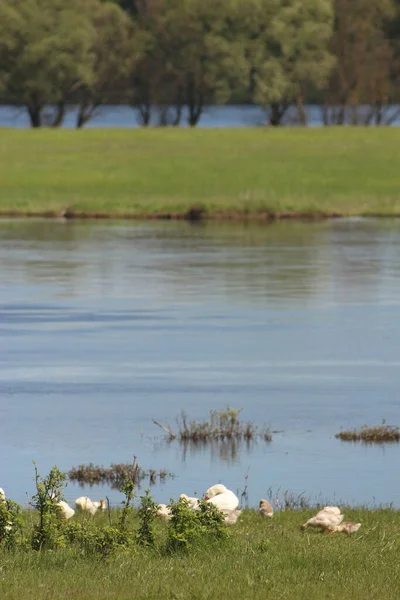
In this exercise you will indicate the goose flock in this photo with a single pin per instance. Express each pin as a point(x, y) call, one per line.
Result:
point(329, 519)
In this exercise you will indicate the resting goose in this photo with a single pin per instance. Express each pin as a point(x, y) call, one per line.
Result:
point(194, 502)
point(85, 504)
point(222, 498)
point(326, 519)
point(163, 512)
point(66, 512)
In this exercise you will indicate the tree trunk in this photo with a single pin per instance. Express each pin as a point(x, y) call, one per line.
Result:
point(59, 117)
point(163, 120)
point(277, 113)
point(85, 113)
point(178, 115)
point(195, 111)
point(194, 103)
point(144, 114)
point(301, 111)
point(325, 115)
point(35, 114)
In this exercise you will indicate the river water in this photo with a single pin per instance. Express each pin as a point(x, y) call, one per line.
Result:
point(239, 115)
point(107, 325)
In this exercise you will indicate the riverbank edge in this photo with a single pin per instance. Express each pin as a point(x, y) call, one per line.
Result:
point(194, 215)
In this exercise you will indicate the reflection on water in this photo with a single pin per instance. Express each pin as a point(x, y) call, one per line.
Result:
point(227, 450)
point(105, 326)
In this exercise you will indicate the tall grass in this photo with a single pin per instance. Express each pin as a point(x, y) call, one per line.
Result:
point(262, 559)
point(218, 173)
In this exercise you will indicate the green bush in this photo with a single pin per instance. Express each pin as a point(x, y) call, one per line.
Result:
point(147, 514)
point(10, 523)
point(188, 528)
point(48, 534)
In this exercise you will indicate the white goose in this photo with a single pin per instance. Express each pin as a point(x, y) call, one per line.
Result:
point(163, 512)
point(85, 504)
point(99, 504)
point(348, 527)
point(194, 502)
point(66, 512)
point(3, 499)
point(326, 519)
point(222, 498)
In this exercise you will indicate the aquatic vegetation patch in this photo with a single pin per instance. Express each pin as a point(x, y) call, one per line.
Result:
point(381, 434)
point(222, 425)
point(116, 474)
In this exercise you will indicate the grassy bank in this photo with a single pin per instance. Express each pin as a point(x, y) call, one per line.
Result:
point(263, 558)
point(228, 173)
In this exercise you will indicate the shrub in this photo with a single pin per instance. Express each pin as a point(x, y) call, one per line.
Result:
point(189, 527)
point(47, 534)
point(147, 514)
point(183, 527)
point(10, 523)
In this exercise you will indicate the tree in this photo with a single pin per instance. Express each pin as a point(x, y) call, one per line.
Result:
point(204, 61)
point(289, 52)
point(188, 59)
point(149, 66)
point(364, 63)
point(113, 52)
point(45, 52)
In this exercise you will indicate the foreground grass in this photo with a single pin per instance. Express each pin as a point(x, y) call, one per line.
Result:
point(229, 173)
point(262, 559)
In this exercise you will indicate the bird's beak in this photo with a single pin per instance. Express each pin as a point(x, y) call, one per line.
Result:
point(206, 498)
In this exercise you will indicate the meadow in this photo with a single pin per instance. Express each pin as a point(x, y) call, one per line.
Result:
point(225, 173)
point(262, 558)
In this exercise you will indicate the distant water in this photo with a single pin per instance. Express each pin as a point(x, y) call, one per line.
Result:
point(126, 117)
point(105, 326)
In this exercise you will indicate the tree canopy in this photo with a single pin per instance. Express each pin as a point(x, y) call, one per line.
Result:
point(170, 58)
point(45, 51)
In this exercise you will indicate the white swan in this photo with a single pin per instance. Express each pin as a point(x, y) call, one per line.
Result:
point(326, 519)
point(222, 498)
point(2, 494)
point(265, 509)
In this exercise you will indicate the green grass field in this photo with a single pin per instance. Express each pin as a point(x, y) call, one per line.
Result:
point(230, 173)
point(262, 559)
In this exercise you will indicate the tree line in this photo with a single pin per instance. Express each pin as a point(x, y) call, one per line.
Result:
point(173, 57)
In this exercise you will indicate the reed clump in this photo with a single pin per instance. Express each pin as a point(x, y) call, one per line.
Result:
point(116, 474)
point(222, 425)
point(382, 434)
